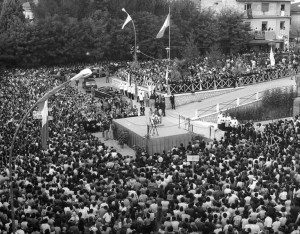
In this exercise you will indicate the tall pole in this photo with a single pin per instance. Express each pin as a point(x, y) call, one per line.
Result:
point(167, 82)
point(169, 35)
point(82, 74)
point(135, 55)
point(127, 20)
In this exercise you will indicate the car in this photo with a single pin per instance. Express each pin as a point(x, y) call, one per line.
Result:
point(88, 84)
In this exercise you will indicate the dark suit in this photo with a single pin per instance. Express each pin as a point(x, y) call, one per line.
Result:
point(172, 99)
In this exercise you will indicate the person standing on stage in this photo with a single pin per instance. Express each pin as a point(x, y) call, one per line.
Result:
point(163, 105)
point(142, 109)
point(227, 122)
point(152, 100)
point(129, 91)
point(219, 120)
point(172, 99)
point(146, 98)
point(132, 92)
point(223, 120)
point(125, 89)
point(234, 122)
point(141, 97)
point(121, 87)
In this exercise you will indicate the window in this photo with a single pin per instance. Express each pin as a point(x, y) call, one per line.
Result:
point(282, 7)
point(248, 24)
point(264, 26)
point(265, 7)
point(282, 25)
point(247, 6)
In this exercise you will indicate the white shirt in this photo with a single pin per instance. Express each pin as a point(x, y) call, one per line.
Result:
point(268, 222)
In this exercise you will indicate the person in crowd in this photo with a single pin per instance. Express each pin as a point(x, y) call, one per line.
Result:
point(141, 97)
point(246, 182)
point(142, 109)
point(163, 105)
point(172, 100)
point(152, 99)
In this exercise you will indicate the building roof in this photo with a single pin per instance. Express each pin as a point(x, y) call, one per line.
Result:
point(295, 7)
point(263, 0)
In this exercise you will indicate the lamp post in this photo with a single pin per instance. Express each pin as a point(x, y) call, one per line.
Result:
point(84, 73)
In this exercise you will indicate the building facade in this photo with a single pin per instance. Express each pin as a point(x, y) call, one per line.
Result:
point(295, 21)
point(268, 19)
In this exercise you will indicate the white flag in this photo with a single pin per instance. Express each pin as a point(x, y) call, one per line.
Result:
point(166, 24)
point(272, 59)
point(167, 73)
point(128, 19)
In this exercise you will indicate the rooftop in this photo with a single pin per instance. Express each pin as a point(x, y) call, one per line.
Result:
point(263, 0)
point(295, 7)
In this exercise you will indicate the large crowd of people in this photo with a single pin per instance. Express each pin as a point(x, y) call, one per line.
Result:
point(153, 73)
point(246, 182)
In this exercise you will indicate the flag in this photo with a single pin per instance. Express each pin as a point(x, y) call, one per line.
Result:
point(128, 19)
point(272, 59)
point(166, 24)
point(43, 109)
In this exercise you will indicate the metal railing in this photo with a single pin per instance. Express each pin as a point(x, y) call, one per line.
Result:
point(210, 82)
point(185, 123)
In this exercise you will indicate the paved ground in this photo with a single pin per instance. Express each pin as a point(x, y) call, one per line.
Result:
point(189, 110)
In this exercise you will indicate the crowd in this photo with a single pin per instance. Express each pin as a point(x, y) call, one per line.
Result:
point(153, 73)
point(247, 182)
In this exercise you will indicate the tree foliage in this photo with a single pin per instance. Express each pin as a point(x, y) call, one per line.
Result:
point(11, 14)
point(64, 31)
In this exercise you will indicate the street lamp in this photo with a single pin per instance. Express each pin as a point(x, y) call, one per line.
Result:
point(84, 73)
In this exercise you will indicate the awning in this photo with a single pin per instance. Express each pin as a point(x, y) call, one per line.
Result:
point(259, 42)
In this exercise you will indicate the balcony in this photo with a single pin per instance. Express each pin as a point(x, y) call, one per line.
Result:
point(248, 14)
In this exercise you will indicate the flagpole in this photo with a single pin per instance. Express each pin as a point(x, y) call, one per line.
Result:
point(135, 55)
point(168, 86)
point(169, 34)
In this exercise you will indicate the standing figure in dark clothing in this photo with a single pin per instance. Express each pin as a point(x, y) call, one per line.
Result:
point(142, 109)
point(172, 99)
point(163, 105)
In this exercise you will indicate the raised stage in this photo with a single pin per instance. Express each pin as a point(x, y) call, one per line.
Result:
point(169, 134)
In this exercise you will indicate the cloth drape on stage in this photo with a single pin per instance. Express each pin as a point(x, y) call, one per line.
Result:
point(155, 144)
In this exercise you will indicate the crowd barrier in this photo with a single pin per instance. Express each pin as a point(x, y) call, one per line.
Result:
point(211, 82)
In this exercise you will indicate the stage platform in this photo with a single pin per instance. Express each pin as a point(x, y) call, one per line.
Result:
point(169, 134)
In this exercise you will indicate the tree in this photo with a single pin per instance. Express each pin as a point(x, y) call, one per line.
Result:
point(295, 31)
point(11, 13)
point(214, 56)
point(233, 33)
point(78, 9)
point(190, 51)
point(204, 28)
